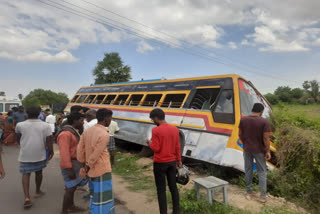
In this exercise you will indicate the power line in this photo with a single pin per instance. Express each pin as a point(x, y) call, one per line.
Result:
point(166, 34)
point(142, 35)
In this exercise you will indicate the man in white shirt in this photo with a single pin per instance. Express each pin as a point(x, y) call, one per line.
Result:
point(51, 120)
point(35, 137)
point(90, 118)
point(113, 128)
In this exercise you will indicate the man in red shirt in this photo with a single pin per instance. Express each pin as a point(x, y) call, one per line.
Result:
point(254, 133)
point(166, 146)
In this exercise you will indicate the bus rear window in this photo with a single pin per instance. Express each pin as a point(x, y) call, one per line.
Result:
point(82, 98)
point(74, 99)
point(173, 100)
point(152, 100)
point(1, 107)
point(248, 97)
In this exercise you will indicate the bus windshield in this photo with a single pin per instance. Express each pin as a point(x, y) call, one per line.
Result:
point(248, 97)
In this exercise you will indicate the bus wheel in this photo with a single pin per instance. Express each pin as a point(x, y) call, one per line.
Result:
point(146, 152)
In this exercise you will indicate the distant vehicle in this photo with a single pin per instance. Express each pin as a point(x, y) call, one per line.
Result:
point(7, 103)
point(206, 109)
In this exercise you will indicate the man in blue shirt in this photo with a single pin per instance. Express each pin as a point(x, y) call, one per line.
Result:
point(19, 116)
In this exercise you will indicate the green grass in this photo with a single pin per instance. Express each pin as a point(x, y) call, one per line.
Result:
point(128, 169)
point(311, 112)
point(190, 205)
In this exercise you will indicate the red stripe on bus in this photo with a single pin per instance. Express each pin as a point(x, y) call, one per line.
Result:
point(206, 120)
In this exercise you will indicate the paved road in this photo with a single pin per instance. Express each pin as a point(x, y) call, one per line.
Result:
point(11, 194)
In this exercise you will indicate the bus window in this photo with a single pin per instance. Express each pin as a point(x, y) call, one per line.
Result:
point(109, 99)
point(90, 99)
point(9, 106)
point(152, 100)
point(224, 110)
point(1, 107)
point(82, 98)
point(204, 99)
point(121, 99)
point(99, 99)
point(74, 99)
point(248, 97)
point(173, 100)
point(135, 99)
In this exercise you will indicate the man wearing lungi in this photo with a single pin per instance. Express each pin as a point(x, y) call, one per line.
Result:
point(68, 140)
point(36, 136)
point(92, 152)
point(113, 128)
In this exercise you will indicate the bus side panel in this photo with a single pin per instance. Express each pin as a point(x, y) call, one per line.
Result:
point(134, 132)
point(205, 146)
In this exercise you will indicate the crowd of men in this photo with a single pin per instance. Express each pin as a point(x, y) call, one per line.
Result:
point(86, 143)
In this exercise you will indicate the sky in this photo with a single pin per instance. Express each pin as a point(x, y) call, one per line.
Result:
point(55, 44)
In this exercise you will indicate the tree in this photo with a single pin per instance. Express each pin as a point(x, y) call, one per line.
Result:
point(39, 97)
point(297, 93)
point(284, 93)
point(2, 93)
point(273, 99)
point(111, 70)
point(312, 87)
point(20, 96)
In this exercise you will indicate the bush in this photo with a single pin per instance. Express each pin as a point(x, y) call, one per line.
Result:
point(273, 99)
point(298, 154)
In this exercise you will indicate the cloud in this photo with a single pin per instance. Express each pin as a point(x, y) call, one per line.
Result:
point(273, 42)
point(144, 47)
point(40, 56)
point(30, 28)
point(232, 45)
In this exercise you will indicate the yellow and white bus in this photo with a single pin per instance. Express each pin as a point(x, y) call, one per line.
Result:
point(206, 109)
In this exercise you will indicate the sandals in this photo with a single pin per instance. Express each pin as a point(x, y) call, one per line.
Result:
point(27, 204)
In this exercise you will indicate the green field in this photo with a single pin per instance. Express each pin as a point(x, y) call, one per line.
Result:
point(311, 112)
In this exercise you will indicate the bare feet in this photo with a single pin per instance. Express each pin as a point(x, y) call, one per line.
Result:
point(39, 194)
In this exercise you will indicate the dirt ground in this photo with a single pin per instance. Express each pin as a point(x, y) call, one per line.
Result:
point(138, 202)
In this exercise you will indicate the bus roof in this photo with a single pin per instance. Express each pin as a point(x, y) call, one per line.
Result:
point(164, 80)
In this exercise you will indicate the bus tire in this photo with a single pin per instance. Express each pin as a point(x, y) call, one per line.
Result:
point(146, 152)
